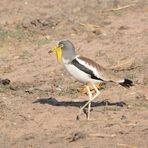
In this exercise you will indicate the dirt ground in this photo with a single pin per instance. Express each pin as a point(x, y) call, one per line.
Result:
point(38, 107)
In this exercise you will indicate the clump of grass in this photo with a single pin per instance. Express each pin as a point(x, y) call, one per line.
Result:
point(146, 81)
point(15, 86)
point(118, 13)
point(72, 92)
point(130, 75)
point(25, 55)
point(17, 33)
point(111, 108)
point(69, 90)
point(42, 41)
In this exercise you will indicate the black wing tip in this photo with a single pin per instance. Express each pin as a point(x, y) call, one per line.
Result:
point(127, 83)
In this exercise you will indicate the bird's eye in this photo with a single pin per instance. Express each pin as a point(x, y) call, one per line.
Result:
point(61, 45)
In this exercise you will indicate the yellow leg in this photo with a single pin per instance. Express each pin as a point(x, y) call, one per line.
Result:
point(96, 95)
point(89, 105)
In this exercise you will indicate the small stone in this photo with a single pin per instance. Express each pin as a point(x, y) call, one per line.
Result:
point(123, 117)
point(4, 81)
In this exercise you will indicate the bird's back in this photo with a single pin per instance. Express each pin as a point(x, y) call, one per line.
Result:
point(100, 71)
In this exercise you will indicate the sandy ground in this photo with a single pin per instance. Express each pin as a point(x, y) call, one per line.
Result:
point(38, 107)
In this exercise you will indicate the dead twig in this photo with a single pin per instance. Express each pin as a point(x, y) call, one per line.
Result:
point(126, 145)
point(131, 124)
point(102, 135)
point(124, 65)
point(123, 7)
point(89, 25)
point(94, 28)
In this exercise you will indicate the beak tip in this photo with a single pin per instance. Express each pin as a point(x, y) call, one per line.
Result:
point(50, 51)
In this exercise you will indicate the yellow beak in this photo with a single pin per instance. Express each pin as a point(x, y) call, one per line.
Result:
point(58, 51)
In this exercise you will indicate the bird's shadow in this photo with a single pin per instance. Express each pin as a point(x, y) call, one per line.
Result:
point(55, 102)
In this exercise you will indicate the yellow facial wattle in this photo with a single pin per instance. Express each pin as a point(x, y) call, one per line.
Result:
point(58, 51)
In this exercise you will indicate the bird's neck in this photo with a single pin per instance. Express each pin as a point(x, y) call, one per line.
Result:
point(68, 60)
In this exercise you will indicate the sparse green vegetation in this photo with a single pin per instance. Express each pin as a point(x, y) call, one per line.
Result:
point(17, 33)
point(15, 86)
point(42, 41)
point(25, 55)
point(130, 75)
point(111, 108)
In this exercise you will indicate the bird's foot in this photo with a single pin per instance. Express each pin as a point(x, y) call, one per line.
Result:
point(85, 110)
point(79, 114)
point(77, 117)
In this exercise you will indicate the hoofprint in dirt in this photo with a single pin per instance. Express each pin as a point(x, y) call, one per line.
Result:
point(39, 105)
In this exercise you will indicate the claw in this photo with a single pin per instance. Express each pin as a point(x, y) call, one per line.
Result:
point(77, 118)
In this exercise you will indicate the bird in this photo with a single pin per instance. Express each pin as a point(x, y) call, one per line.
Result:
point(86, 71)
